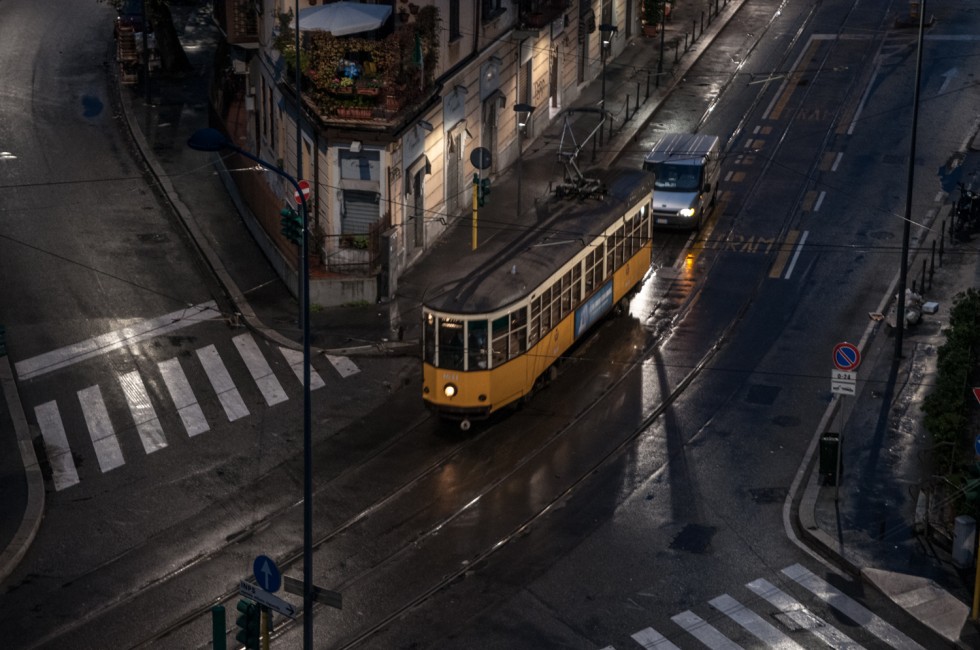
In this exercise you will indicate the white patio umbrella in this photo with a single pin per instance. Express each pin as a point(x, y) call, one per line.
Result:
point(342, 18)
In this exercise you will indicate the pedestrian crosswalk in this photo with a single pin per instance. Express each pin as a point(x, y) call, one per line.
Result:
point(143, 418)
point(798, 624)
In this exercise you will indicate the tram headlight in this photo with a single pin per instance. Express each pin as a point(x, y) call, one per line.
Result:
point(686, 212)
point(449, 390)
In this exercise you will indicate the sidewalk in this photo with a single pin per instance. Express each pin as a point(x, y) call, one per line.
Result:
point(851, 527)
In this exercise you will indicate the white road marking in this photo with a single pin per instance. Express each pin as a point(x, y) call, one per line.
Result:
point(295, 360)
point(753, 623)
point(796, 254)
point(802, 616)
point(224, 387)
point(147, 422)
point(850, 608)
point(63, 471)
point(184, 400)
point(650, 639)
point(100, 428)
point(98, 345)
point(704, 632)
point(260, 370)
point(343, 365)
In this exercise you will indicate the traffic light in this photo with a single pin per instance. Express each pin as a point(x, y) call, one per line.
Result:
point(250, 624)
point(292, 225)
point(482, 189)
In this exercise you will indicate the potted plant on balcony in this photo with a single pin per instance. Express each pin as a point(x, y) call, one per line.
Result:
point(652, 12)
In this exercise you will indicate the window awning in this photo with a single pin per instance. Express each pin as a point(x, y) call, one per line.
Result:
point(343, 18)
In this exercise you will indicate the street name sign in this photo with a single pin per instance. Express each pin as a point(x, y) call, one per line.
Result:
point(320, 595)
point(263, 597)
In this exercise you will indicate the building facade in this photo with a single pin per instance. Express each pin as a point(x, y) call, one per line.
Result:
point(388, 117)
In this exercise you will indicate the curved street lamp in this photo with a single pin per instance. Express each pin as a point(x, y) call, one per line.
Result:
point(213, 140)
point(523, 115)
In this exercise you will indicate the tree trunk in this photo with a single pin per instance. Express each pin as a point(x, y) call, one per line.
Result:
point(173, 59)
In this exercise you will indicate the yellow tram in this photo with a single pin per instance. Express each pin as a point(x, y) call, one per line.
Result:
point(491, 336)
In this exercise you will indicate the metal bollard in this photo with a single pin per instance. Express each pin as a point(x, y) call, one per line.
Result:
point(932, 262)
point(647, 96)
point(964, 532)
point(922, 283)
point(942, 240)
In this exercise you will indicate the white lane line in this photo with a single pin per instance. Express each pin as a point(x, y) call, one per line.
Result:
point(704, 632)
point(295, 360)
point(147, 422)
point(820, 198)
point(100, 428)
point(221, 381)
point(260, 370)
point(753, 623)
point(796, 254)
point(63, 471)
point(850, 608)
point(180, 392)
point(98, 345)
point(650, 639)
point(802, 616)
point(343, 365)
point(840, 154)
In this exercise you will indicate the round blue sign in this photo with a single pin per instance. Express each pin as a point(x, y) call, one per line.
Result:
point(267, 575)
point(846, 356)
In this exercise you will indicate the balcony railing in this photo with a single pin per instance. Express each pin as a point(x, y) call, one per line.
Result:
point(537, 14)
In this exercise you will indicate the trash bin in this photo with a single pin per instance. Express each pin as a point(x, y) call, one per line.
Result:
point(829, 450)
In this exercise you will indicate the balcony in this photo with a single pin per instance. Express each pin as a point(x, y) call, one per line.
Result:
point(238, 19)
point(366, 80)
point(538, 14)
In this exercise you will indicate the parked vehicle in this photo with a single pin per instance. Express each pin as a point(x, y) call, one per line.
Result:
point(687, 167)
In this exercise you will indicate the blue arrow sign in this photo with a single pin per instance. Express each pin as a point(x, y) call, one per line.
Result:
point(267, 574)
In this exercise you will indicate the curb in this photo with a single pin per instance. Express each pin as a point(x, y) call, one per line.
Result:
point(14, 552)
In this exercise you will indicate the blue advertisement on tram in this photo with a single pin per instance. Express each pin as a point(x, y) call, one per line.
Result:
point(594, 308)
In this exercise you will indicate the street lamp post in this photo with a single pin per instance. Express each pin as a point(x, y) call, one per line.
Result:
point(606, 30)
point(523, 114)
point(213, 140)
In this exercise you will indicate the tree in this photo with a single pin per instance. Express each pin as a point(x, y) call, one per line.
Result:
point(173, 59)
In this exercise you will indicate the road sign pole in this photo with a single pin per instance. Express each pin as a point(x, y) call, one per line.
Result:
point(476, 199)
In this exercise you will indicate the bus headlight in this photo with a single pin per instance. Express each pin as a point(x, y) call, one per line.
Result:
point(686, 212)
point(449, 390)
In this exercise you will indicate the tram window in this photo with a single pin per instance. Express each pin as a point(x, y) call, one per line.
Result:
point(634, 241)
point(576, 284)
point(476, 350)
point(533, 332)
point(518, 332)
point(589, 281)
point(429, 339)
point(644, 224)
point(556, 302)
point(621, 235)
point(451, 343)
point(545, 311)
point(498, 349)
point(566, 294)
